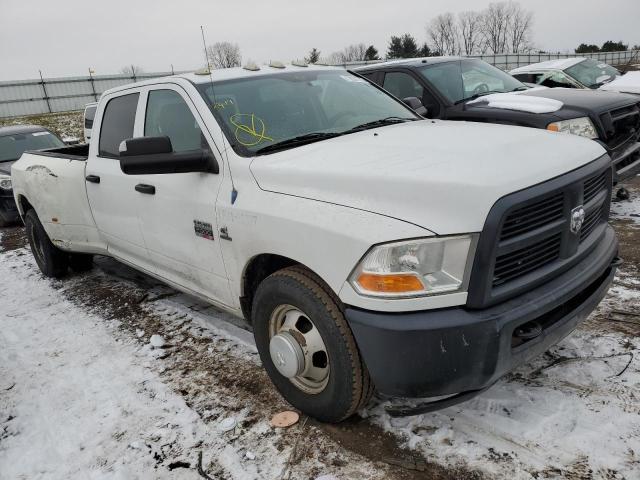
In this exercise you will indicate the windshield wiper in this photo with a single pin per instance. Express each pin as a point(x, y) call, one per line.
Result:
point(477, 95)
point(297, 141)
point(380, 123)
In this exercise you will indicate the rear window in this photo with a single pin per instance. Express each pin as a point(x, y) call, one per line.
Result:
point(89, 115)
point(117, 124)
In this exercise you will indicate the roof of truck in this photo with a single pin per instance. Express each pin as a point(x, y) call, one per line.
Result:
point(222, 74)
point(560, 64)
point(411, 61)
point(18, 129)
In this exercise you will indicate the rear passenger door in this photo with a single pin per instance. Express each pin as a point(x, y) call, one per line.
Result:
point(111, 193)
point(179, 218)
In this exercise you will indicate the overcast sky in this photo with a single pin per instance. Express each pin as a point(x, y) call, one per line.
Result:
point(67, 37)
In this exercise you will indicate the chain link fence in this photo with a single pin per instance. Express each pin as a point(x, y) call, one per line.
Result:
point(48, 95)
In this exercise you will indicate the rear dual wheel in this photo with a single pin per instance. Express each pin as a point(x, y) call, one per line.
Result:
point(307, 347)
point(52, 261)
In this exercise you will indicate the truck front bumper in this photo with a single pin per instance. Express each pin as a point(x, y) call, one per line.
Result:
point(457, 350)
point(8, 206)
point(626, 164)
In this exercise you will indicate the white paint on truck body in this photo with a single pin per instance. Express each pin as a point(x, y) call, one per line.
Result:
point(323, 205)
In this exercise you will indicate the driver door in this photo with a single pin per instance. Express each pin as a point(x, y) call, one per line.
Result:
point(177, 211)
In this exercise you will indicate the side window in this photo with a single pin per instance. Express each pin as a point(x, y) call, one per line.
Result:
point(117, 124)
point(402, 85)
point(372, 77)
point(557, 79)
point(169, 115)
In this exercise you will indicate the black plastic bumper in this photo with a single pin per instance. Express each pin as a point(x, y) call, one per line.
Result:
point(8, 207)
point(454, 350)
point(627, 164)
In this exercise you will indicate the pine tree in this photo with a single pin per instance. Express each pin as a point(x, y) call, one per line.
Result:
point(314, 56)
point(371, 53)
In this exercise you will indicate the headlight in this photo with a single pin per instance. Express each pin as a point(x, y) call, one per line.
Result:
point(5, 182)
point(416, 267)
point(582, 126)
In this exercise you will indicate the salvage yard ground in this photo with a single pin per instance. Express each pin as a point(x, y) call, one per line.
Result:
point(83, 394)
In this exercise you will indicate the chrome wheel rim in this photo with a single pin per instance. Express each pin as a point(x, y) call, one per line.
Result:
point(297, 349)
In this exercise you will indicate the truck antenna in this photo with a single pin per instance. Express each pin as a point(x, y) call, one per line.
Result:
point(234, 192)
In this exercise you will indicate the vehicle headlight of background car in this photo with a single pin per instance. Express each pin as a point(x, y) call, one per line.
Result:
point(582, 126)
point(418, 267)
point(5, 182)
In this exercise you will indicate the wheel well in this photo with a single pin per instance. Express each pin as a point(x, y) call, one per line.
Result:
point(259, 268)
point(24, 205)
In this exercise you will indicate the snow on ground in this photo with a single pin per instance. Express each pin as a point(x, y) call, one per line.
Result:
point(81, 399)
point(84, 395)
point(627, 210)
point(71, 390)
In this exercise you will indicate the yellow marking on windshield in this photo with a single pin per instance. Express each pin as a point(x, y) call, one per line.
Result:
point(250, 130)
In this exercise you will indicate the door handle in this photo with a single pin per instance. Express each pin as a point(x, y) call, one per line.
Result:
point(144, 188)
point(92, 178)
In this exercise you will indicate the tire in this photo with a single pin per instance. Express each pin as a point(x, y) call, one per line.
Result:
point(80, 262)
point(347, 387)
point(52, 261)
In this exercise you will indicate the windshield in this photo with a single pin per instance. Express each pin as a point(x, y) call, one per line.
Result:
point(592, 73)
point(260, 112)
point(13, 146)
point(467, 79)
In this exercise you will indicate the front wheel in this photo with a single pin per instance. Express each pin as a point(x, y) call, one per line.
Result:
point(52, 261)
point(307, 347)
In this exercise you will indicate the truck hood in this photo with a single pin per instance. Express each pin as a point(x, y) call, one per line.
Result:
point(628, 83)
point(584, 100)
point(5, 167)
point(443, 176)
point(563, 102)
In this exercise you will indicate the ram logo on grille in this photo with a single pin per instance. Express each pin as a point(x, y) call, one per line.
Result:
point(577, 219)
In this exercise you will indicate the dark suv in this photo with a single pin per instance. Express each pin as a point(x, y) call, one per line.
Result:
point(455, 88)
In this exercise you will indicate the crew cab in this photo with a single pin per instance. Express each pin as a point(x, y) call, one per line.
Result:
point(368, 247)
point(579, 72)
point(14, 140)
point(457, 88)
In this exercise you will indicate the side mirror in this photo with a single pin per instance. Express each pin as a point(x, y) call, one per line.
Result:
point(155, 155)
point(415, 104)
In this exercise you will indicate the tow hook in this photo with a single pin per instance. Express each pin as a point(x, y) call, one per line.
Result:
point(616, 262)
point(528, 331)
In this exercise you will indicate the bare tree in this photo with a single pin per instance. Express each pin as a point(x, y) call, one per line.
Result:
point(495, 28)
point(443, 32)
point(132, 70)
point(470, 30)
point(520, 26)
point(224, 55)
point(351, 53)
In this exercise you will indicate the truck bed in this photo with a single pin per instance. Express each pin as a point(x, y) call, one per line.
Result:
point(73, 152)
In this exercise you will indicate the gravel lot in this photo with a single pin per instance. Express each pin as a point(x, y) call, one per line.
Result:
point(83, 394)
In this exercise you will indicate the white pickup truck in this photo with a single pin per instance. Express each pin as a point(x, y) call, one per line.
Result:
point(369, 248)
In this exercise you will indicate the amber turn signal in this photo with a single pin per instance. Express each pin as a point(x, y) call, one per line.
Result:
point(396, 283)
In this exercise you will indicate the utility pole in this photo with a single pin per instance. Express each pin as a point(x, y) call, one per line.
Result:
point(93, 87)
point(44, 89)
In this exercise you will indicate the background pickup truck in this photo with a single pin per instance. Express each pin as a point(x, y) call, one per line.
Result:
point(456, 88)
point(579, 72)
point(368, 247)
